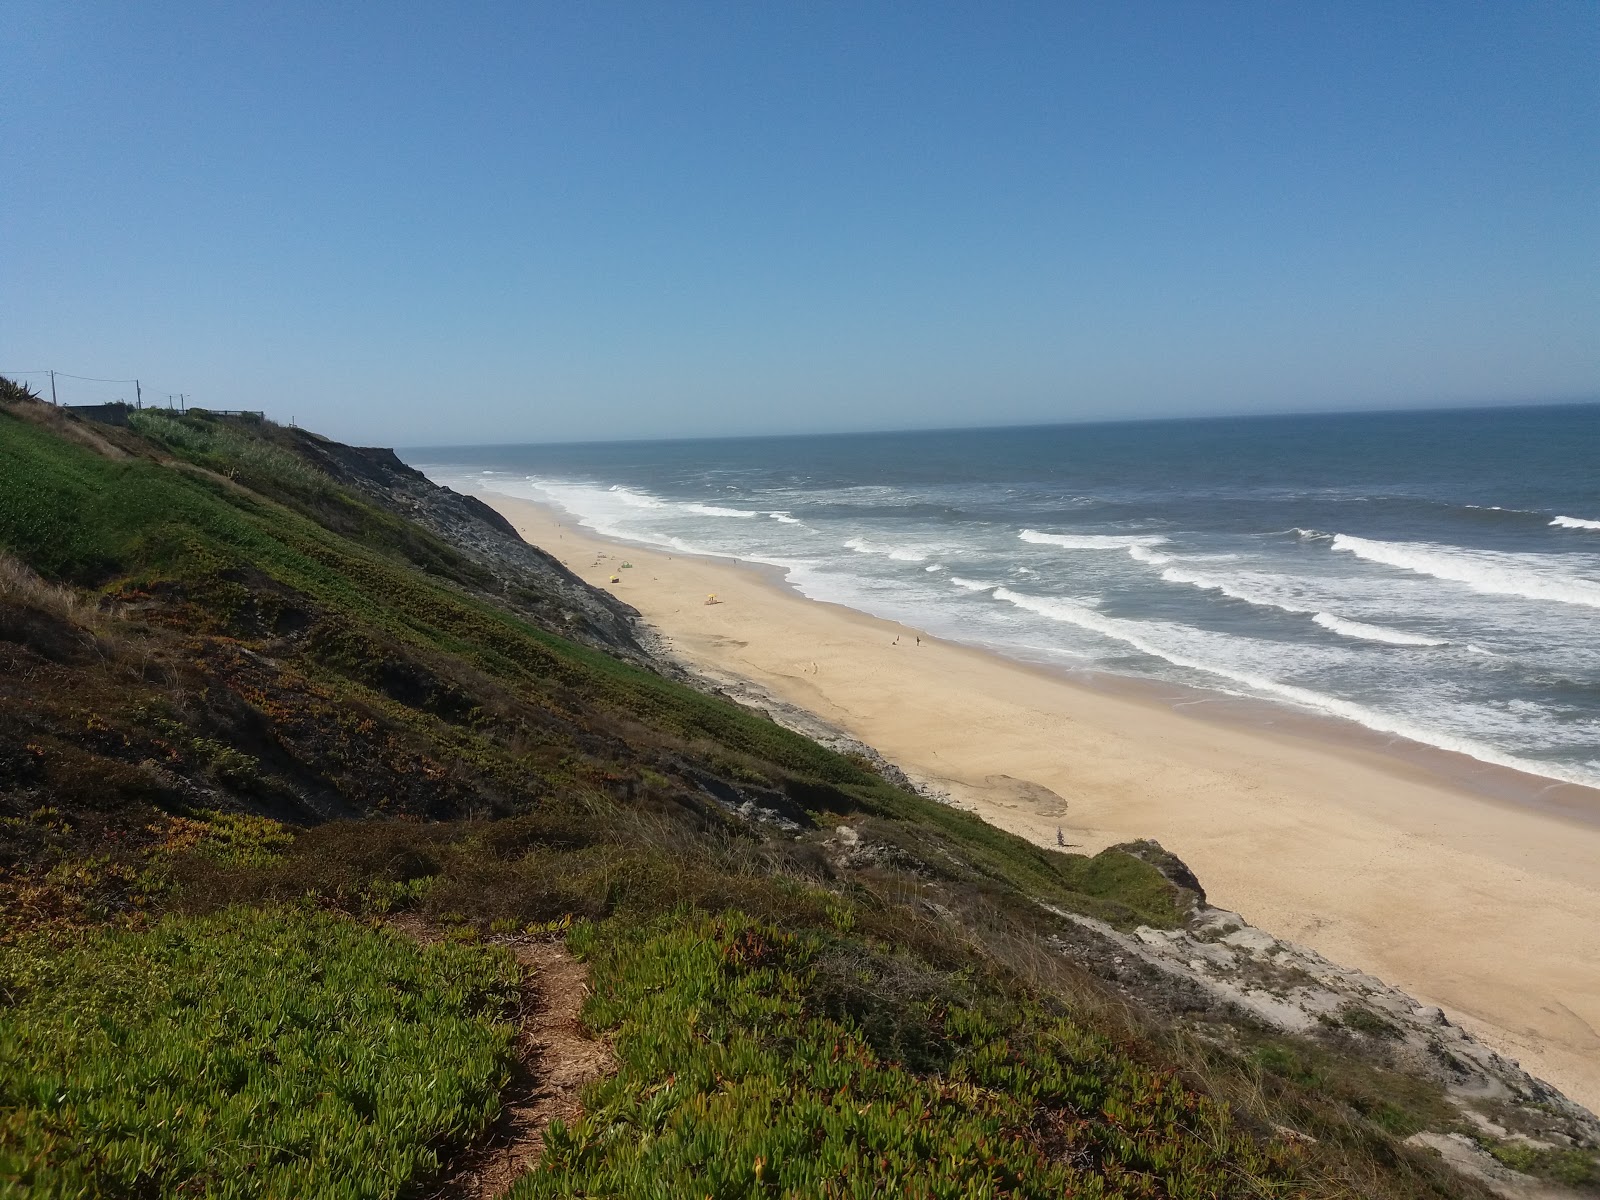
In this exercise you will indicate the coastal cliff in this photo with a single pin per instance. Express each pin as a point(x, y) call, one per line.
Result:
point(288, 733)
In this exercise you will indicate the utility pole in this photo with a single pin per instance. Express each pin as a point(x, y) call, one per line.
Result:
point(138, 395)
point(53, 399)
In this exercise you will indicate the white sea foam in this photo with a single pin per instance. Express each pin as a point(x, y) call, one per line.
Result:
point(784, 517)
point(1374, 633)
point(934, 567)
point(1575, 523)
point(1091, 541)
point(897, 553)
point(714, 510)
point(1529, 576)
point(1266, 591)
point(614, 511)
point(1141, 636)
point(1257, 594)
point(627, 495)
point(1142, 553)
point(971, 585)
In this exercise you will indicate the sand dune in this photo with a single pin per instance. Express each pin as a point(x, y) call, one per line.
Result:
point(1488, 909)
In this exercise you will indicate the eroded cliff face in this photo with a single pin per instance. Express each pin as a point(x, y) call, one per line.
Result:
point(531, 581)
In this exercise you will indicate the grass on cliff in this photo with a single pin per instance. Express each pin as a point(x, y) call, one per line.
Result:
point(735, 1081)
point(250, 1053)
point(252, 571)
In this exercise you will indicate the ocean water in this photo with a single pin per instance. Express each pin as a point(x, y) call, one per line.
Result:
point(1431, 575)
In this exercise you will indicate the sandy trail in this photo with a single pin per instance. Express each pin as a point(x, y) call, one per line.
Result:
point(1489, 909)
point(556, 1059)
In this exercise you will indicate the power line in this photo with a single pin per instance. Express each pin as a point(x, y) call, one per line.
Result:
point(138, 386)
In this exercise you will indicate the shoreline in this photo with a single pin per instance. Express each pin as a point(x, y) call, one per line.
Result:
point(1471, 887)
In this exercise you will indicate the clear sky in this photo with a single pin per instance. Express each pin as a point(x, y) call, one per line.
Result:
point(423, 223)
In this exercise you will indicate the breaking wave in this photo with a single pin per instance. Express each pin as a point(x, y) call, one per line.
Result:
point(1133, 633)
point(1143, 553)
point(1486, 571)
point(1092, 541)
point(1261, 598)
point(1574, 523)
point(627, 495)
point(1236, 590)
point(1374, 633)
point(898, 553)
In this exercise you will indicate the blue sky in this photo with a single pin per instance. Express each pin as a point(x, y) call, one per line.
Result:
point(411, 223)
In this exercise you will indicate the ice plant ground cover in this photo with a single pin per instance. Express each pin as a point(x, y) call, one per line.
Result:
point(253, 1052)
point(747, 1069)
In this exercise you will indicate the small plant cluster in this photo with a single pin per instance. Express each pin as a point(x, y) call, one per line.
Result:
point(1571, 1168)
point(250, 1053)
point(731, 1084)
point(237, 839)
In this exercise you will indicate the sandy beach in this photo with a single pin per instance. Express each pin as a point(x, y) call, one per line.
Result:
point(1488, 908)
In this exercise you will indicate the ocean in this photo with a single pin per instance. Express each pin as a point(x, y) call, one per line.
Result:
point(1429, 575)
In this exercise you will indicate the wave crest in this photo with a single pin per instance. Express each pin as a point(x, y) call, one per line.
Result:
point(1143, 553)
point(1574, 523)
point(1092, 541)
point(1374, 633)
point(897, 553)
point(1481, 570)
point(1132, 634)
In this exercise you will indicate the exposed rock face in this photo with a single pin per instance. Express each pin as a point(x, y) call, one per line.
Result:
point(530, 579)
point(1218, 961)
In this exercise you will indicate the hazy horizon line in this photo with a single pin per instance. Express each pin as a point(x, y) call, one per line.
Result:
point(1447, 407)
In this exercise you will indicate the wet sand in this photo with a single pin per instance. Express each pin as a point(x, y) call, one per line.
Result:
point(1399, 862)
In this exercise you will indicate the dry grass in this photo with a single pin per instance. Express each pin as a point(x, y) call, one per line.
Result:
point(23, 404)
point(22, 587)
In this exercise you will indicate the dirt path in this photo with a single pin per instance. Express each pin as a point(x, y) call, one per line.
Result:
point(554, 1060)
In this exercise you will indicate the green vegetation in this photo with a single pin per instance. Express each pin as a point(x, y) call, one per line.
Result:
point(733, 1084)
point(1364, 1020)
point(266, 1052)
point(229, 448)
point(1571, 1168)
